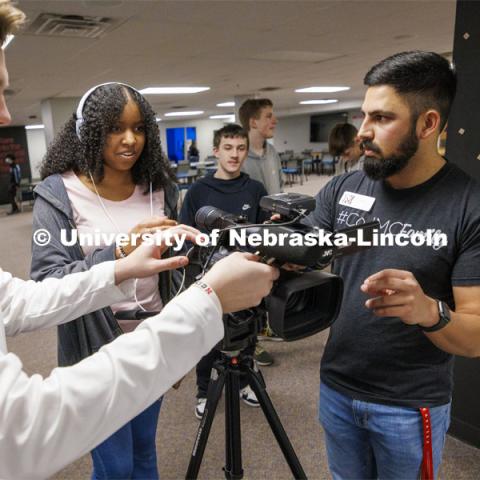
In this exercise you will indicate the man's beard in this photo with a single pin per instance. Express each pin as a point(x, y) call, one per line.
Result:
point(379, 168)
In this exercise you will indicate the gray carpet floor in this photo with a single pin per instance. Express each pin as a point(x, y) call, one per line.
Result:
point(292, 384)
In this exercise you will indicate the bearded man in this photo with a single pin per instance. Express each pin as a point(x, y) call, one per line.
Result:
point(386, 374)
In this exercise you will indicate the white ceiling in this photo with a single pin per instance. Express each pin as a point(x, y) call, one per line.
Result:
point(234, 47)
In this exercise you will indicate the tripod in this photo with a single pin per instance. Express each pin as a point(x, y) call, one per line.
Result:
point(227, 373)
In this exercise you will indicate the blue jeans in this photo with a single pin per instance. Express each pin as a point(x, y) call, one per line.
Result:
point(130, 452)
point(370, 440)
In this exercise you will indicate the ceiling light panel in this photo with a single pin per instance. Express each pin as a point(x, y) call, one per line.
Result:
point(228, 117)
point(322, 89)
point(319, 102)
point(172, 90)
point(184, 114)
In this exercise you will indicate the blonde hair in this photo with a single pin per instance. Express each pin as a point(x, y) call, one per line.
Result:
point(11, 19)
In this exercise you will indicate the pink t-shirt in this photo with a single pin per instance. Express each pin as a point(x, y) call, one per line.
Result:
point(90, 217)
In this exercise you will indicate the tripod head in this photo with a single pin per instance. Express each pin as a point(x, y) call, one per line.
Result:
point(241, 329)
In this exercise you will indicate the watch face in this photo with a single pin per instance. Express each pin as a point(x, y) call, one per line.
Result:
point(444, 311)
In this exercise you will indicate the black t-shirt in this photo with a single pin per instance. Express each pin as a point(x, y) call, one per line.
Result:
point(381, 359)
point(239, 196)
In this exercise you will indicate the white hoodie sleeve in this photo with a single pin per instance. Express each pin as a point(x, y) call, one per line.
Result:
point(29, 305)
point(47, 423)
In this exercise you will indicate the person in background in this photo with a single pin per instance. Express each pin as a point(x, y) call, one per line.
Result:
point(263, 164)
point(344, 143)
point(14, 182)
point(105, 172)
point(193, 151)
point(233, 191)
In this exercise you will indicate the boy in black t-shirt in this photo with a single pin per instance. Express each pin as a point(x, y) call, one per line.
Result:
point(228, 188)
point(235, 192)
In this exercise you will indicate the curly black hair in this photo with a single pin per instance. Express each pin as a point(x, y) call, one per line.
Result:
point(101, 113)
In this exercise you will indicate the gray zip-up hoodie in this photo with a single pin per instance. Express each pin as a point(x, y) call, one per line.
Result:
point(53, 212)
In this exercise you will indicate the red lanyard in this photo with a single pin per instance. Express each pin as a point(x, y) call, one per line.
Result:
point(427, 463)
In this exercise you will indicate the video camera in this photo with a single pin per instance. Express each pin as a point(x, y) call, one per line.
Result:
point(303, 302)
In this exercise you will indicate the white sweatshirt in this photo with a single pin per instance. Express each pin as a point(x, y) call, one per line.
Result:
point(45, 424)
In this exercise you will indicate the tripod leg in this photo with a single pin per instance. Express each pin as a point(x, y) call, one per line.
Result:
point(258, 386)
point(214, 393)
point(233, 443)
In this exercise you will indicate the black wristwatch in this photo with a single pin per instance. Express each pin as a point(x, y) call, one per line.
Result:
point(443, 320)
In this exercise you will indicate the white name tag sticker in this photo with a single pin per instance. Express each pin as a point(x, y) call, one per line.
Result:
point(358, 201)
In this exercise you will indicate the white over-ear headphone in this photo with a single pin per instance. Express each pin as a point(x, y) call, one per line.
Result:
point(79, 113)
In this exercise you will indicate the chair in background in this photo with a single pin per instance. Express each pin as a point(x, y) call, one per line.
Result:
point(185, 178)
point(290, 169)
point(307, 167)
point(307, 162)
point(25, 193)
point(183, 167)
point(317, 163)
point(183, 187)
point(184, 173)
point(210, 170)
point(208, 165)
point(284, 158)
point(328, 164)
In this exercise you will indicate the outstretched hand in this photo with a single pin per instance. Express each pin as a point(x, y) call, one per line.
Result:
point(397, 293)
point(148, 226)
point(146, 260)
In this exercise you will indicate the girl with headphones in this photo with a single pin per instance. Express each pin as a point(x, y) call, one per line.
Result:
point(105, 173)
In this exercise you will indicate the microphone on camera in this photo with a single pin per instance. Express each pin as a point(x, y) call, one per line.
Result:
point(209, 218)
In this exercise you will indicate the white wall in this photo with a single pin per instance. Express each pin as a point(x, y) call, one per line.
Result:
point(205, 129)
point(55, 113)
point(293, 133)
point(37, 147)
point(355, 117)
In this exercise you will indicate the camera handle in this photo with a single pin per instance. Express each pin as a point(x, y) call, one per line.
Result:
point(228, 370)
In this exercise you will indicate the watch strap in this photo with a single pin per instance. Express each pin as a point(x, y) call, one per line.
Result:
point(443, 318)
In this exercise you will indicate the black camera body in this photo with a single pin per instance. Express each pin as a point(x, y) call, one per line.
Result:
point(288, 204)
point(301, 303)
point(291, 207)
